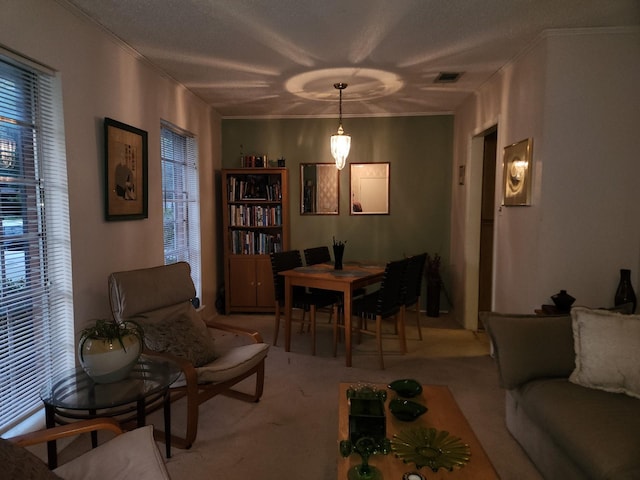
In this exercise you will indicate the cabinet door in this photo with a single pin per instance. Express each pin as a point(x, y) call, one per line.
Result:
point(242, 279)
point(265, 295)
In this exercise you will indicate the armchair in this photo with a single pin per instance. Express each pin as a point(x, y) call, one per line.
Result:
point(160, 299)
point(132, 454)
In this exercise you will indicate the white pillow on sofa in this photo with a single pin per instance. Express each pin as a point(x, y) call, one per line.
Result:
point(607, 347)
point(131, 455)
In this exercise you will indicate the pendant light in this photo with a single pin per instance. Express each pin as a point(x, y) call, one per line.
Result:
point(340, 142)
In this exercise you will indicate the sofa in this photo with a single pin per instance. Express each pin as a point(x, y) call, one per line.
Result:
point(572, 390)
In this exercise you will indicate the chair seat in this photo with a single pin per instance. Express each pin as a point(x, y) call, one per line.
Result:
point(232, 363)
point(367, 306)
point(133, 454)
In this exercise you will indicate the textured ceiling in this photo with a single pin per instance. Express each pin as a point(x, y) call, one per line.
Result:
point(257, 58)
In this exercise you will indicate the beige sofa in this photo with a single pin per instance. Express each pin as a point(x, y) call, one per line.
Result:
point(572, 390)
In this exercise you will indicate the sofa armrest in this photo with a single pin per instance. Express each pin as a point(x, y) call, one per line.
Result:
point(69, 430)
point(530, 346)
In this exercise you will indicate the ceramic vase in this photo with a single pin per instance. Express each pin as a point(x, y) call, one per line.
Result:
point(338, 253)
point(105, 361)
point(624, 292)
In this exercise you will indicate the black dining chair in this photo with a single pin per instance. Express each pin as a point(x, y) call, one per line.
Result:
point(384, 303)
point(412, 287)
point(307, 301)
point(316, 255)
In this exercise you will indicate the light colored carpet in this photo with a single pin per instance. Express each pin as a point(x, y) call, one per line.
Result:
point(292, 432)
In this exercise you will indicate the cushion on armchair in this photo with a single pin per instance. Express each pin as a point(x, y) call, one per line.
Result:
point(178, 330)
point(132, 455)
point(530, 346)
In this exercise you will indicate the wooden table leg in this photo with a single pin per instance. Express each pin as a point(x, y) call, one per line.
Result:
point(347, 324)
point(288, 305)
point(167, 422)
point(52, 450)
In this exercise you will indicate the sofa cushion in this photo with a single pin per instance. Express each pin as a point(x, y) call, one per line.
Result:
point(178, 330)
point(607, 347)
point(132, 455)
point(599, 431)
point(530, 346)
point(19, 463)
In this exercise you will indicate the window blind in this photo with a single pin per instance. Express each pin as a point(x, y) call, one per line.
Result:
point(181, 200)
point(36, 309)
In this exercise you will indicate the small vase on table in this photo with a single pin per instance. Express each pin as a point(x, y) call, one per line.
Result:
point(338, 253)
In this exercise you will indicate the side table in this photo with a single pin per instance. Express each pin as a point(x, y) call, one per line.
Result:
point(73, 395)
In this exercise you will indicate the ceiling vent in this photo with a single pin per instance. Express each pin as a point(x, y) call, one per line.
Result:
point(448, 77)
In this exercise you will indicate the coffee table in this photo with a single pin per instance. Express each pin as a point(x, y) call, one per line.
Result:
point(73, 395)
point(443, 414)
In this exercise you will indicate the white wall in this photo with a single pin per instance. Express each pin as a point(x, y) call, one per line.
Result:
point(575, 94)
point(103, 78)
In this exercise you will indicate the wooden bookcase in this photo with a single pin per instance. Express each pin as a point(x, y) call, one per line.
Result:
point(255, 210)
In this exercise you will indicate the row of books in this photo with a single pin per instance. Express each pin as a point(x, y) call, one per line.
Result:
point(253, 187)
point(255, 215)
point(254, 243)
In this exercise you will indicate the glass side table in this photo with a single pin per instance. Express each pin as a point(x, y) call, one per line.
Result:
point(73, 395)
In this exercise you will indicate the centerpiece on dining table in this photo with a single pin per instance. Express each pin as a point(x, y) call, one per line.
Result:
point(338, 253)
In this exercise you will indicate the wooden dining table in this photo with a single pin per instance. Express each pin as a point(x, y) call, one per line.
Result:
point(352, 277)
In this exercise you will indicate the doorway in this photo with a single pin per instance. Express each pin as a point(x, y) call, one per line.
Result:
point(487, 218)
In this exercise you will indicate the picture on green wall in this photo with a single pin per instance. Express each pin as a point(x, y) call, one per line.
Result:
point(369, 193)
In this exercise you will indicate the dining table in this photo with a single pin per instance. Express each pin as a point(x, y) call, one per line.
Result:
point(347, 280)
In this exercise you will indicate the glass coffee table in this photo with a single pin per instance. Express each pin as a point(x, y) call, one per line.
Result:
point(73, 395)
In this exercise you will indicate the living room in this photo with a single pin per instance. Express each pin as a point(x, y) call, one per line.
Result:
point(573, 92)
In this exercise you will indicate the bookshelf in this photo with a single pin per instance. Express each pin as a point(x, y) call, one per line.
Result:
point(256, 222)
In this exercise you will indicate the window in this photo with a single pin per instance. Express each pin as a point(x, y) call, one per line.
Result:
point(181, 201)
point(36, 310)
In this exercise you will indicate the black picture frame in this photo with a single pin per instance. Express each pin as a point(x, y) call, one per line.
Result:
point(125, 172)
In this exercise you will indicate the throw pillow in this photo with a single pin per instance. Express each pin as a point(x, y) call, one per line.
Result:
point(18, 462)
point(180, 331)
point(607, 346)
point(530, 346)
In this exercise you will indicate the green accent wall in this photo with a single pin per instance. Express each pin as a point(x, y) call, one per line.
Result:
point(420, 151)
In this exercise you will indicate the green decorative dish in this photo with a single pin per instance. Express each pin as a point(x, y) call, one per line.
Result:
point(406, 387)
point(428, 447)
point(406, 410)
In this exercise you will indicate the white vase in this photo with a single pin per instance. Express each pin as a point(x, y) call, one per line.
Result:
point(106, 361)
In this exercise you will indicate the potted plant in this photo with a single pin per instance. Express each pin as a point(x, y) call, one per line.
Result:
point(108, 350)
point(434, 282)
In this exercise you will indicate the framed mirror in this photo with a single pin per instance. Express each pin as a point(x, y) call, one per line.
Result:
point(369, 188)
point(319, 189)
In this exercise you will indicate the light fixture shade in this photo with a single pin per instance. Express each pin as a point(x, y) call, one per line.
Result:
point(340, 145)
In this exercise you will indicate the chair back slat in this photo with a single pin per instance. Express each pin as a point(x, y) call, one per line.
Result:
point(391, 288)
point(413, 278)
point(281, 261)
point(315, 255)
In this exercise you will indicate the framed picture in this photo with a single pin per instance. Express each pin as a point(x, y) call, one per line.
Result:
point(126, 196)
point(517, 174)
point(369, 193)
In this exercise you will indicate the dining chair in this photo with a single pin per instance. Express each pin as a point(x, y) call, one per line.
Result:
point(307, 301)
point(412, 287)
point(315, 255)
point(384, 303)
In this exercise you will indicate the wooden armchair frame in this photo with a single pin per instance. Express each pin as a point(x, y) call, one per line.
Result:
point(175, 284)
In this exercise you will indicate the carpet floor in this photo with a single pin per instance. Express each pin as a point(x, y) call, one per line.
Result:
point(292, 432)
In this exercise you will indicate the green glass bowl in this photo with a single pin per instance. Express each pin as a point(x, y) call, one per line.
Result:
point(406, 387)
point(406, 410)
